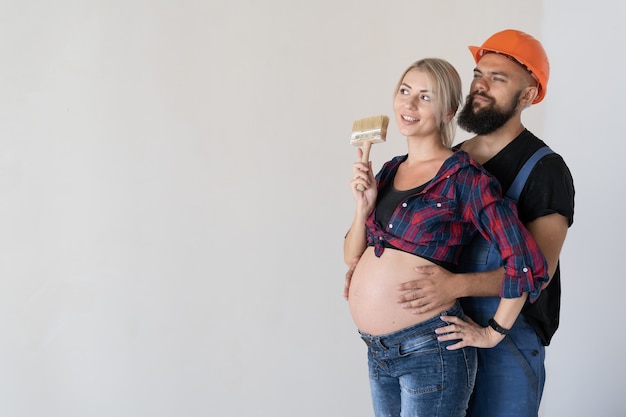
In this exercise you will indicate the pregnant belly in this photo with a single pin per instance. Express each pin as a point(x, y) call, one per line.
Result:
point(374, 295)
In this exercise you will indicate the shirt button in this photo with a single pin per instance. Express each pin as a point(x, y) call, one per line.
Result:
point(438, 205)
point(525, 269)
point(404, 205)
point(380, 238)
point(391, 226)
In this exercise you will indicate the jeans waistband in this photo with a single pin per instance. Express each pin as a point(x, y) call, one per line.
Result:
point(480, 303)
point(426, 326)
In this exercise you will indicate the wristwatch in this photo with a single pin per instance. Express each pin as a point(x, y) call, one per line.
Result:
point(495, 326)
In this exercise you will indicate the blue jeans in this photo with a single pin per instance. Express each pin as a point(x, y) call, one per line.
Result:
point(413, 374)
point(511, 376)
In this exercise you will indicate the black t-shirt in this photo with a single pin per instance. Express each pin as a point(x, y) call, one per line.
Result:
point(549, 189)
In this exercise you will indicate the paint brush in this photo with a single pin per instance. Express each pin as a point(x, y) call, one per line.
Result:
point(368, 131)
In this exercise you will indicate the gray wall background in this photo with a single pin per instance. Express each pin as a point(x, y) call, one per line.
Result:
point(174, 195)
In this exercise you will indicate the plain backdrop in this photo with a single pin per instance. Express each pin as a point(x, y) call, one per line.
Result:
point(174, 196)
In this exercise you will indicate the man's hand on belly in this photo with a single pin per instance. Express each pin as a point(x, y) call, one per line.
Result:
point(432, 289)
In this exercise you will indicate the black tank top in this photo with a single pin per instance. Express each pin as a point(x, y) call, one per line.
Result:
point(388, 200)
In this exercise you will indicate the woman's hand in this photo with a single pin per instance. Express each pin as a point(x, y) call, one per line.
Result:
point(468, 333)
point(364, 178)
point(348, 277)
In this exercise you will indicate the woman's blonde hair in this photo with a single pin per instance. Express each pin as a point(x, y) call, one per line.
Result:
point(446, 87)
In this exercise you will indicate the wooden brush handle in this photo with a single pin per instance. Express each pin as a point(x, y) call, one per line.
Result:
point(367, 145)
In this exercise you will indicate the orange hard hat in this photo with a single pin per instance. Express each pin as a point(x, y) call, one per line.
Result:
point(525, 49)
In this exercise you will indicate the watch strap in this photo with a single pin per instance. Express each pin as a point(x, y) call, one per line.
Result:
point(495, 326)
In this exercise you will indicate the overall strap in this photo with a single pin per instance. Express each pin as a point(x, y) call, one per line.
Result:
point(518, 183)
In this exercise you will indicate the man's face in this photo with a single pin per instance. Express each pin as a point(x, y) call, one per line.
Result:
point(485, 119)
point(494, 94)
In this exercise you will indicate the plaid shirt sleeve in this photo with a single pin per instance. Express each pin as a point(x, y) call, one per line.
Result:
point(497, 220)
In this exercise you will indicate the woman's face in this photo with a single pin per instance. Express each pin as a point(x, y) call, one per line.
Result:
point(414, 105)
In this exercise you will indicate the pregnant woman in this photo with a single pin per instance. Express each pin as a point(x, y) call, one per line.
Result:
point(420, 209)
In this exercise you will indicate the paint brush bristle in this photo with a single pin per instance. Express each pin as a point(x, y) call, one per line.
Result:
point(370, 129)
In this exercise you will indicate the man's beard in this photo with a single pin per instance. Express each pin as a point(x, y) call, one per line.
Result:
point(487, 120)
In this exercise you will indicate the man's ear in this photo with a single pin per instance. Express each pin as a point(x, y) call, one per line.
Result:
point(528, 96)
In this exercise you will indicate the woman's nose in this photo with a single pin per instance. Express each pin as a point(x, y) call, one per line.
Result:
point(411, 103)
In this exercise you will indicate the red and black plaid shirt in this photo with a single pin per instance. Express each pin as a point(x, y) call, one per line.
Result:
point(462, 200)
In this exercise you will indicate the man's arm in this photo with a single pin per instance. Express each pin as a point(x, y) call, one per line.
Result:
point(435, 286)
point(549, 232)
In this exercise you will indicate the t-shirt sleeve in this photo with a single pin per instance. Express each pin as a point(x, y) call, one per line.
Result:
point(549, 190)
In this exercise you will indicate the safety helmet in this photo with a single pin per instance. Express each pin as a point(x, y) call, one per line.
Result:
point(525, 49)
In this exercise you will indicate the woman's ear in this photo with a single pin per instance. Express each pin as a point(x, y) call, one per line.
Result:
point(449, 117)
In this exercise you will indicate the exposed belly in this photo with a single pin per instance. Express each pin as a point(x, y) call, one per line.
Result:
point(374, 295)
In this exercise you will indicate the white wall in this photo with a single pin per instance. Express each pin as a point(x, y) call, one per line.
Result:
point(173, 197)
point(585, 123)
